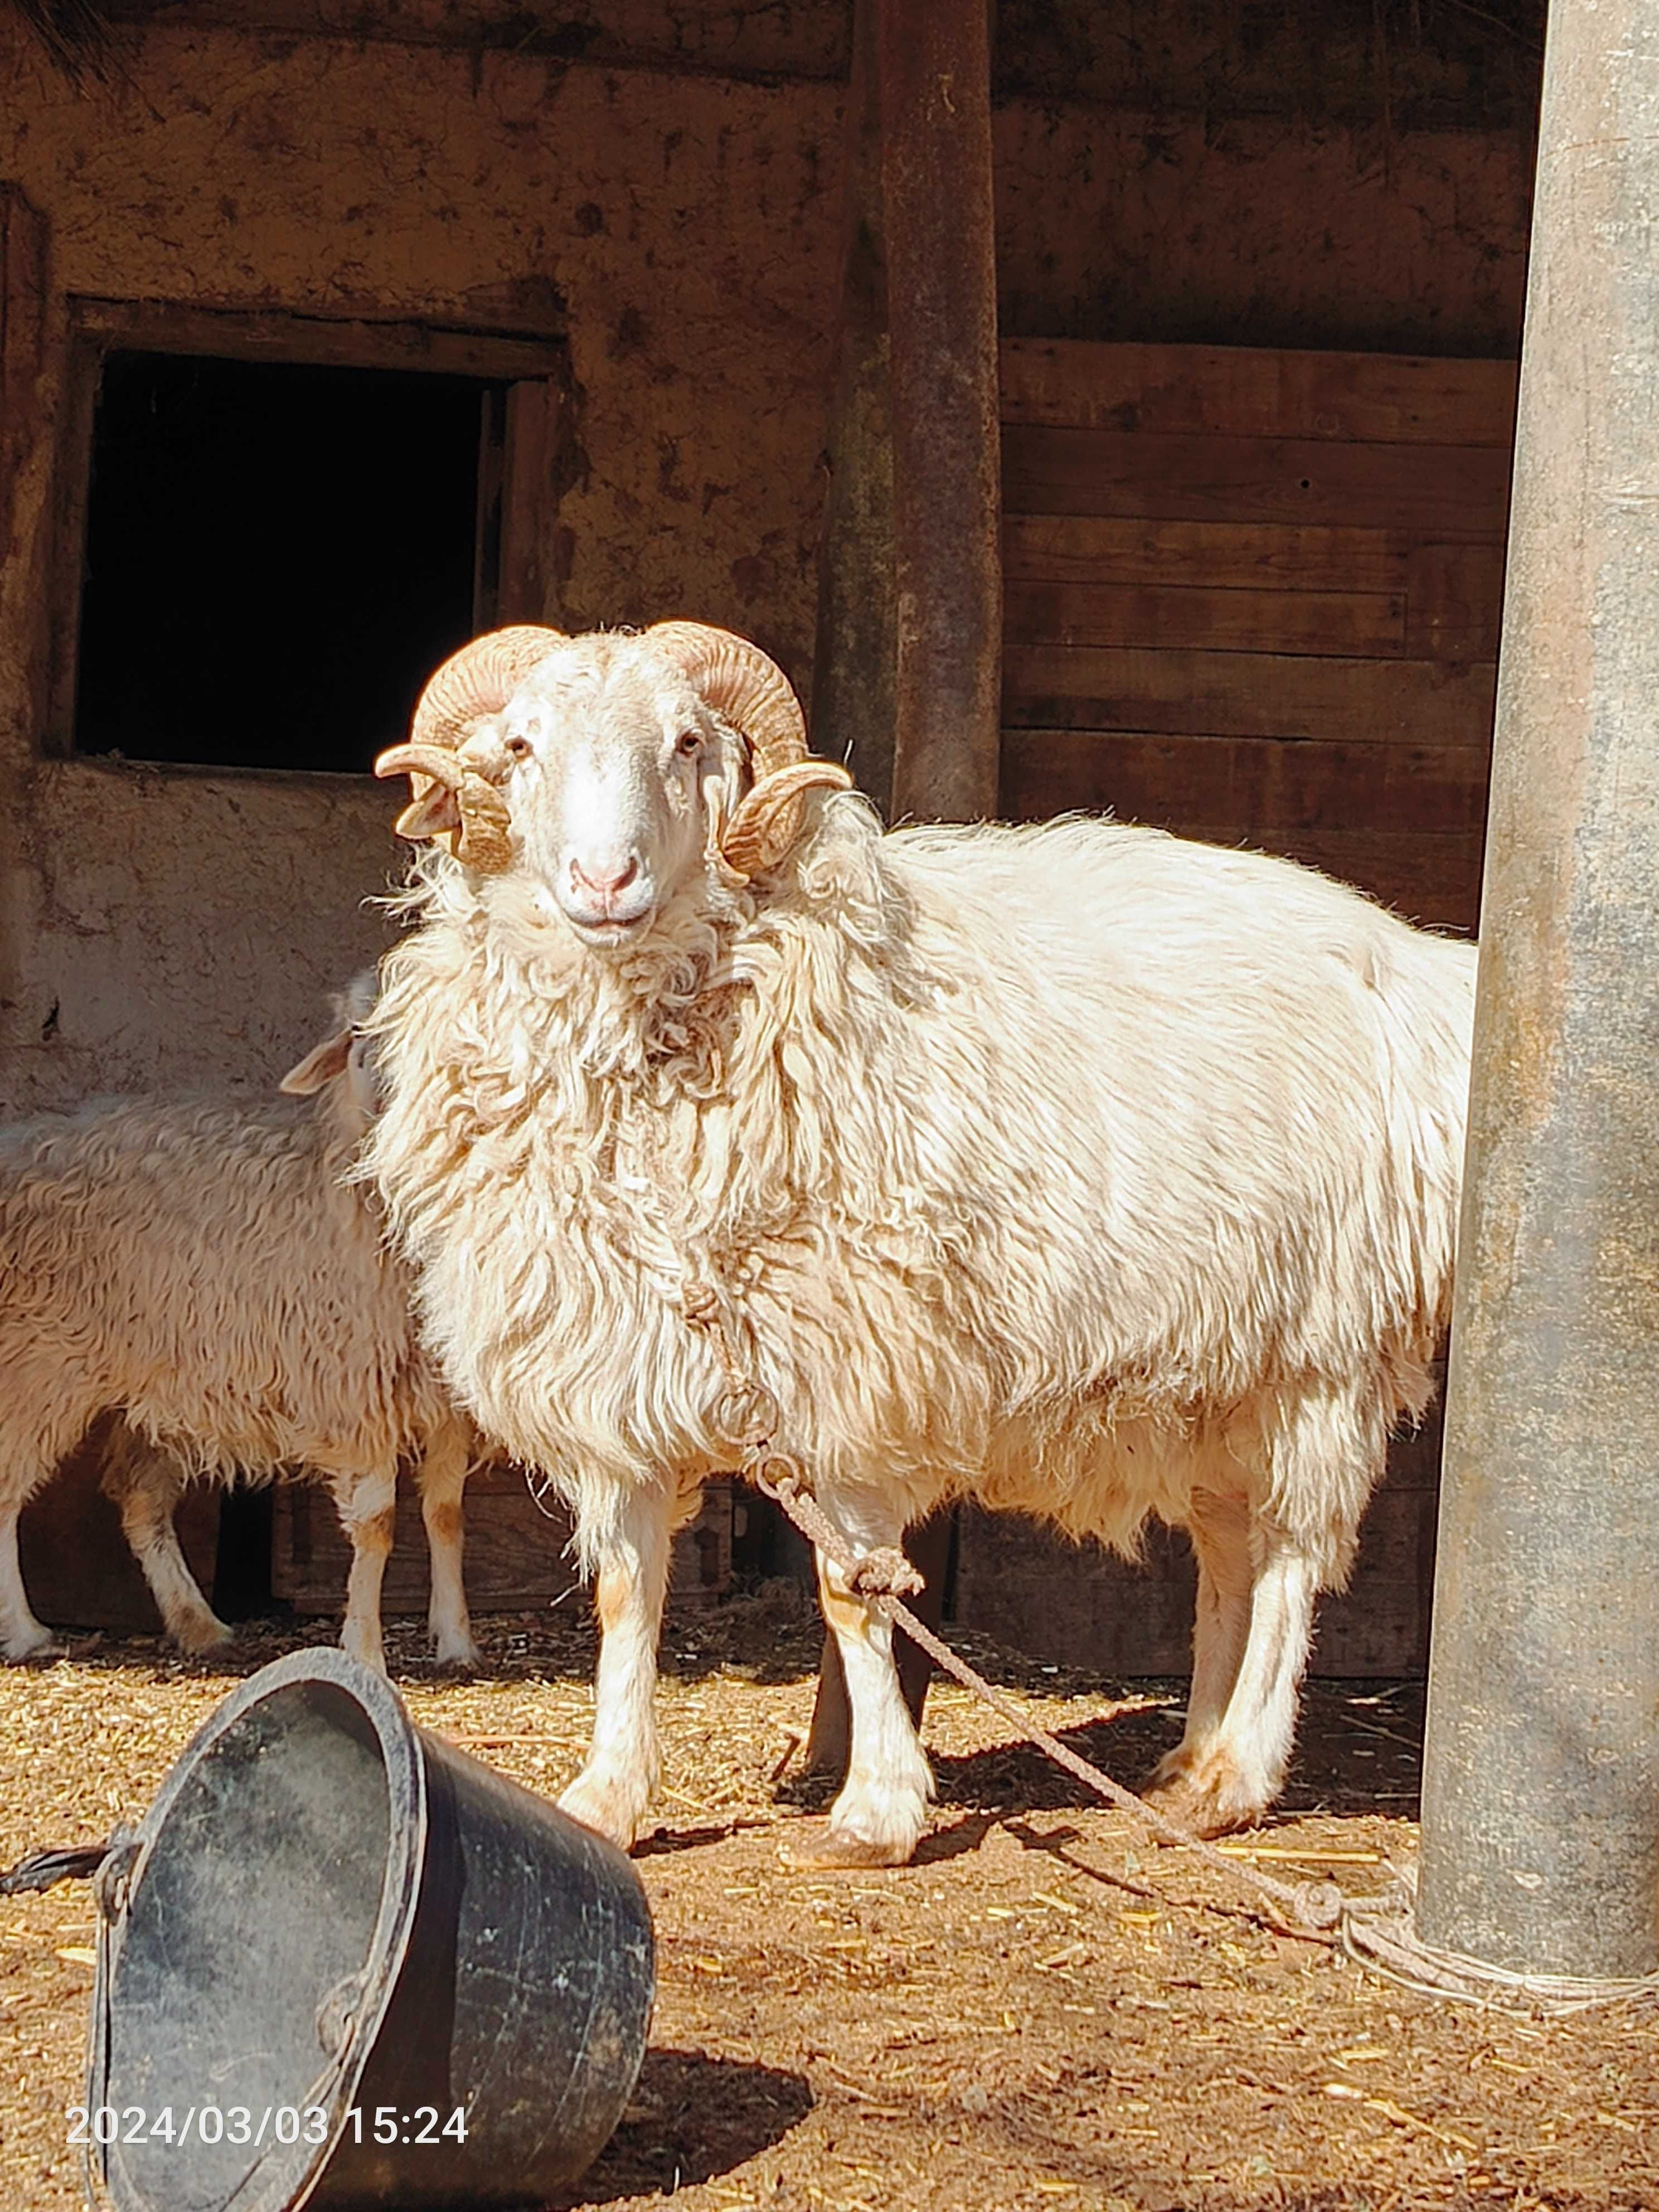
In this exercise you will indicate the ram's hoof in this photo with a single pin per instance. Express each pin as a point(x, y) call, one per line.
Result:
point(1203, 1798)
point(606, 1808)
point(203, 1633)
point(838, 1847)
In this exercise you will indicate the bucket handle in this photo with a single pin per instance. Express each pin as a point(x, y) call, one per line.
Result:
point(43, 1870)
point(110, 1869)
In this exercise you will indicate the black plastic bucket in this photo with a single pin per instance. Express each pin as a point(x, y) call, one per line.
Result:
point(344, 1966)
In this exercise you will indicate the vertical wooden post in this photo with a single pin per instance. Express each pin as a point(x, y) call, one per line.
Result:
point(25, 603)
point(934, 71)
point(23, 361)
point(909, 641)
point(1540, 1802)
point(855, 658)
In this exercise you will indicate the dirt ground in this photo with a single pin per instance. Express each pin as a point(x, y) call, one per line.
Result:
point(1036, 2013)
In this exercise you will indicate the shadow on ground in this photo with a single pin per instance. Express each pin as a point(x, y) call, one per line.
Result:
point(692, 2119)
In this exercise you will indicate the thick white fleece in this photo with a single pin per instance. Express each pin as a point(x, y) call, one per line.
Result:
point(1075, 1167)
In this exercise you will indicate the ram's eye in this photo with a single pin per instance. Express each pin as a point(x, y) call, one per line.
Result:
point(517, 748)
point(688, 744)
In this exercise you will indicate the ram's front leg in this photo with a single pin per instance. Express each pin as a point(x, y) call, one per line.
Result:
point(440, 1478)
point(613, 1790)
point(367, 1506)
point(878, 1818)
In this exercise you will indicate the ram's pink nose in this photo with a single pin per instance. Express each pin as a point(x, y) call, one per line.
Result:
point(605, 873)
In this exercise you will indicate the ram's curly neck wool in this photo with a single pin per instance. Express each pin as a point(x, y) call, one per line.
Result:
point(838, 875)
point(657, 1022)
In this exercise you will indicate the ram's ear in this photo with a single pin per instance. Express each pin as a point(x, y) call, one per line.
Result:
point(436, 809)
point(319, 1066)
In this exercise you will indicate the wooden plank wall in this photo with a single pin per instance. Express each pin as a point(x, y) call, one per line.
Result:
point(1254, 596)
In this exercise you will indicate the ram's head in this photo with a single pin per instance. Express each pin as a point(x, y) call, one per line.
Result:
point(614, 767)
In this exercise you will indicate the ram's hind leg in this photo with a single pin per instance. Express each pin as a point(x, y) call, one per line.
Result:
point(145, 1485)
point(1310, 1461)
point(1219, 1527)
point(879, 1818)
point(613, 1790)
point(1229, 1778)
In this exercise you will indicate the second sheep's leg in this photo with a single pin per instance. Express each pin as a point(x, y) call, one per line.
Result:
point(613, 1790)
point(368, 1507)
point(35, 1435)
point(440, 1478)
point(145, 1485)
point(21, 1636)
point(879, 1815)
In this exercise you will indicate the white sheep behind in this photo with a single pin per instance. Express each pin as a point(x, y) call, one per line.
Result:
point(1079, 1168)
point(198, 1267)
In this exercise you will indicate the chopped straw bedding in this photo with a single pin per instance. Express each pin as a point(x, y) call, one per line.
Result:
point(1030, 2015)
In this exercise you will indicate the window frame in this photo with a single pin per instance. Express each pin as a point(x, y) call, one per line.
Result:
point(518, 493)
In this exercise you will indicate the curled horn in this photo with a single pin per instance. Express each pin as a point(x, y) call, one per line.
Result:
point(768, 819)
point(751, 692)
point(454, 781)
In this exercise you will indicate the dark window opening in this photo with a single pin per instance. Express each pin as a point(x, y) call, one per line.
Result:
point(278, 556)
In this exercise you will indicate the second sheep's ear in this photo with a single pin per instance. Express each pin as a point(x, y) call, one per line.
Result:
point(319, 1066)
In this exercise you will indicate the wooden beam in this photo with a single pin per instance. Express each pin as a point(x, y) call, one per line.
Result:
point(1097, 549)
point(909, 639)
point(22, 319)
point(1452, 493)
point(933, 74)
point(23, 251)
point(1195, 618)
point(1250, 695)
point(855, 658)
point(326, 340)
point(529, 501)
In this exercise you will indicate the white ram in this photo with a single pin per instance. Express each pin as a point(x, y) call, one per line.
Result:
point(1077, 1169)
point(198, 1267)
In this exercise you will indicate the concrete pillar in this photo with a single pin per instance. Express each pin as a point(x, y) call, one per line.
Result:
point(934, 72)
point(1541, 1814)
